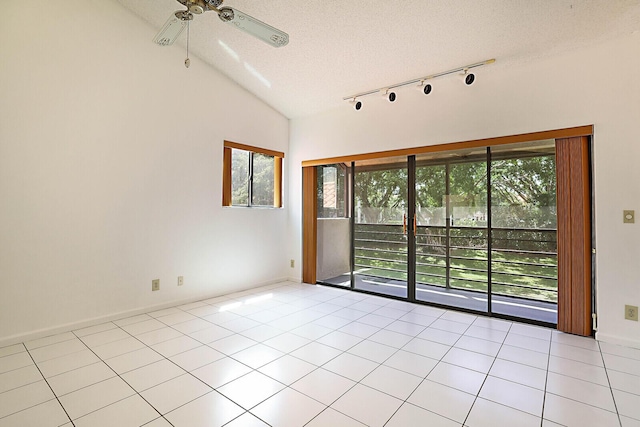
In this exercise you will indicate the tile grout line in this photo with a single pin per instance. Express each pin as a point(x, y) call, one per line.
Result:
point(487, 375)
point(379, 364)
point(118, 375)
point(104, 361)
point(613, 397)
point(431, 370)
point(546, 380)
point(317, 367)
point(50, 388)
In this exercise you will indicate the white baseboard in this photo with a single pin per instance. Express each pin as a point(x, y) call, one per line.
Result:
point(612, 339)
point(85, 323)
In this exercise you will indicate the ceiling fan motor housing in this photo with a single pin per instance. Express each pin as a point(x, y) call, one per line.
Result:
point(200, 6)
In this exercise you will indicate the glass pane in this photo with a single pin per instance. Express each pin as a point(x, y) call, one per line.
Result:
point(431, 233)
point(334, 226)
point(380, 234)
point(332, 189)
point(524, 236)
point(239, 177)
point(468, 194)
point(451, 228)
point(430, 195)
point(468, 233)
point(263, 173)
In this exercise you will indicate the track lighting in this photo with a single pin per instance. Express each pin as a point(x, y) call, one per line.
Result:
point(426, 88)
point(390, 95)
point(467, 77)
point(357, 105)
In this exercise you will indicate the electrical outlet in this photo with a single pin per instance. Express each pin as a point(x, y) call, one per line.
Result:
point(629, 217)
point(155, 285)
point(180, 280)
point(292, 263)
point(631, 312)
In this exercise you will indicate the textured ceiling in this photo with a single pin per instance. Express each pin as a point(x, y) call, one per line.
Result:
point(338, 48)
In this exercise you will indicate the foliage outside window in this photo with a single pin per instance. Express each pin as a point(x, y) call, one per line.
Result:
point(252, 176)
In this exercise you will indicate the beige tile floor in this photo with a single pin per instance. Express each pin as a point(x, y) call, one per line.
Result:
point(300, 355)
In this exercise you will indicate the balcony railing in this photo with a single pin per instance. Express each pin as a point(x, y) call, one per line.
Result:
point(523, 262)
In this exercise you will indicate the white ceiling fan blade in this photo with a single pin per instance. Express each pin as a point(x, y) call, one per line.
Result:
point(253, 26)
point(171, 29)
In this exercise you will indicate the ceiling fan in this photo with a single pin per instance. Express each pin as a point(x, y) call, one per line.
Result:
point(181, 18)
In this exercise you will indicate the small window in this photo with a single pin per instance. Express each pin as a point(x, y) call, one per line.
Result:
point(252, 176)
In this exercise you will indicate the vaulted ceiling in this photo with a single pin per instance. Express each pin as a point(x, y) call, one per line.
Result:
point(338, 48)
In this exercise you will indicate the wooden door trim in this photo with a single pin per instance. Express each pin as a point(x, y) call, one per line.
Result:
point(309, 224)
point(477, 143)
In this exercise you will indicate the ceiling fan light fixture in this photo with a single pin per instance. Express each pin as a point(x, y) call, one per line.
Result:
point(253, 26)
point(178, 21)
point(197, 6)
point(172, 29)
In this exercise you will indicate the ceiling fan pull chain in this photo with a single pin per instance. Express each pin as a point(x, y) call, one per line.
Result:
point(187, 61)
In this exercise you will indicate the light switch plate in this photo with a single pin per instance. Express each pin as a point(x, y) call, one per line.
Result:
point(629, 217)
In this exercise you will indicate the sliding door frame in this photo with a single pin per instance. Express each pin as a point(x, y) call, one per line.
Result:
point(582, 286)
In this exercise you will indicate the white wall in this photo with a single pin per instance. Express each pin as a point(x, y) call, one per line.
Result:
point(110, 170)
point(596, 85)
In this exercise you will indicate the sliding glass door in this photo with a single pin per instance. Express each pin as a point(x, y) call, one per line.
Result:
point(524, 258)
point(472, 229)
point(381, 226)
point(451, 240)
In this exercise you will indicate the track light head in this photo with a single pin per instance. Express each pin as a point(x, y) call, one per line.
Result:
point(390, 95)
point(467, 77)
point(426, 88)
point(357, 105)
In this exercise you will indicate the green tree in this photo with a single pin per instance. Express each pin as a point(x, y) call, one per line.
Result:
point(262, 183)
point(381, 195)
point(524, 192)
point(263, 169)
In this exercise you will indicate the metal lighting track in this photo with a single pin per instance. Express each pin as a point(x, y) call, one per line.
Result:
point(420, 79)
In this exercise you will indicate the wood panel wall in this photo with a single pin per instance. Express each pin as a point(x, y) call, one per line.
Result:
point(574, 235)
point(309, 223)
